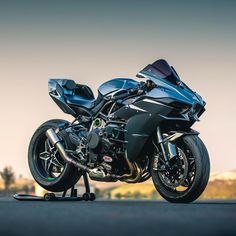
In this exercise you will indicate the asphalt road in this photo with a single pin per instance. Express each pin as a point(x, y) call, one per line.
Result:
point(117, 218)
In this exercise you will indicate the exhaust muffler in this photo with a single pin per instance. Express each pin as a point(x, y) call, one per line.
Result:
point(56, 142)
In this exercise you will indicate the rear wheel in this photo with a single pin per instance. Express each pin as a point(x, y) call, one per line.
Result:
point(187, 175)
point(46, 165)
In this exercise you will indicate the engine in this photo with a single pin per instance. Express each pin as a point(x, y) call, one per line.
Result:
point(101, 148)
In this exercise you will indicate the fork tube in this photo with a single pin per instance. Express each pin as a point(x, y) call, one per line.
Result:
point(160, 141)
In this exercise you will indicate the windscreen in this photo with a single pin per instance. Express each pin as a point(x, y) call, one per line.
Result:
point(163, 70)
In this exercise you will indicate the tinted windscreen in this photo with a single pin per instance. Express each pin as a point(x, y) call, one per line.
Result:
point(163, 70)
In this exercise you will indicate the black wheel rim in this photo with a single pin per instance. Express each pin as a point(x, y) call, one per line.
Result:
point(181, 177)
point(48, 161)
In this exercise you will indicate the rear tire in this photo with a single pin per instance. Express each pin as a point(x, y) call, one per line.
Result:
point(69, 175)
point(201, 172)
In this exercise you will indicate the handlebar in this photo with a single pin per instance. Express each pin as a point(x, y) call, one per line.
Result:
point(129, 92)
point(121, 96)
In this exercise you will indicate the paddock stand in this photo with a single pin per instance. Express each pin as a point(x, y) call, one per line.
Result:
point(87, 196)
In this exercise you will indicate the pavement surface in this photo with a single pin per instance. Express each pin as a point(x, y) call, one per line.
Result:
point(117, 218)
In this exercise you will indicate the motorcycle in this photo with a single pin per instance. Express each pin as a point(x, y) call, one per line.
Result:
point(132, 131)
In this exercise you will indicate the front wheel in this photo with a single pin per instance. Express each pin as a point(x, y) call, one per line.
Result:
point(187, 175)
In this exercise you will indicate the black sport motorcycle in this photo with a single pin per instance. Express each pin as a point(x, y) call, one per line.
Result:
point(132, 131)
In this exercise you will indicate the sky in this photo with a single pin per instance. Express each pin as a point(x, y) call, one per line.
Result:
point(94, 41)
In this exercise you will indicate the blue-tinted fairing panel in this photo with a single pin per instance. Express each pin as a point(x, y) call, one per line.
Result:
point(116, 84)
point(169, 85)
point(57, 89)
point(170, 94)
point(71, 97)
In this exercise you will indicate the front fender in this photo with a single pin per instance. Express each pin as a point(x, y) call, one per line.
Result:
point(168, 143)
point(176, 135)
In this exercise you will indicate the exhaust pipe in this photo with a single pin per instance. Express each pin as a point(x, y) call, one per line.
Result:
point(135, 170)
point(56, 142)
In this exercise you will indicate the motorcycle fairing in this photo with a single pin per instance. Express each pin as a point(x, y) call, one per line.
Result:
point(140, 126)
point(169, 84)
point(171, 100)
point(75, 99)
point(153, 109)
point(116, 84)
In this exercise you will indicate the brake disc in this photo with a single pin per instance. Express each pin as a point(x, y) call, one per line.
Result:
point(175, 175)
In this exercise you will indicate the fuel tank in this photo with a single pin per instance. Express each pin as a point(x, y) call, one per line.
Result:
point(116, 84)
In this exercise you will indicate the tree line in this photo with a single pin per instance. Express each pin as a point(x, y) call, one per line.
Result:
point(8, 177)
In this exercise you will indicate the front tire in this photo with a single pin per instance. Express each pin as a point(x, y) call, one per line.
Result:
point(66, 174)
point(197, 164)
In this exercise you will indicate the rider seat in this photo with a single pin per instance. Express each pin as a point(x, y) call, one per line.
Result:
point(79, 95)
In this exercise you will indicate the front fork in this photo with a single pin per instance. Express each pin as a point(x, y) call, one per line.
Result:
point(167, 144)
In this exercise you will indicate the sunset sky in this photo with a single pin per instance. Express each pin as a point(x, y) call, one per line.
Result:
point(94, 41)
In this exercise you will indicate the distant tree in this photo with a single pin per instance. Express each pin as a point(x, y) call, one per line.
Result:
point(127, 195)
point(118, 195)
point(109, 195)
point(137, 195)
point(8, 177)
point(154, 195)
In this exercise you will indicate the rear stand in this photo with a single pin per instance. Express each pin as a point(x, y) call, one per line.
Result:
point(87, 196)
